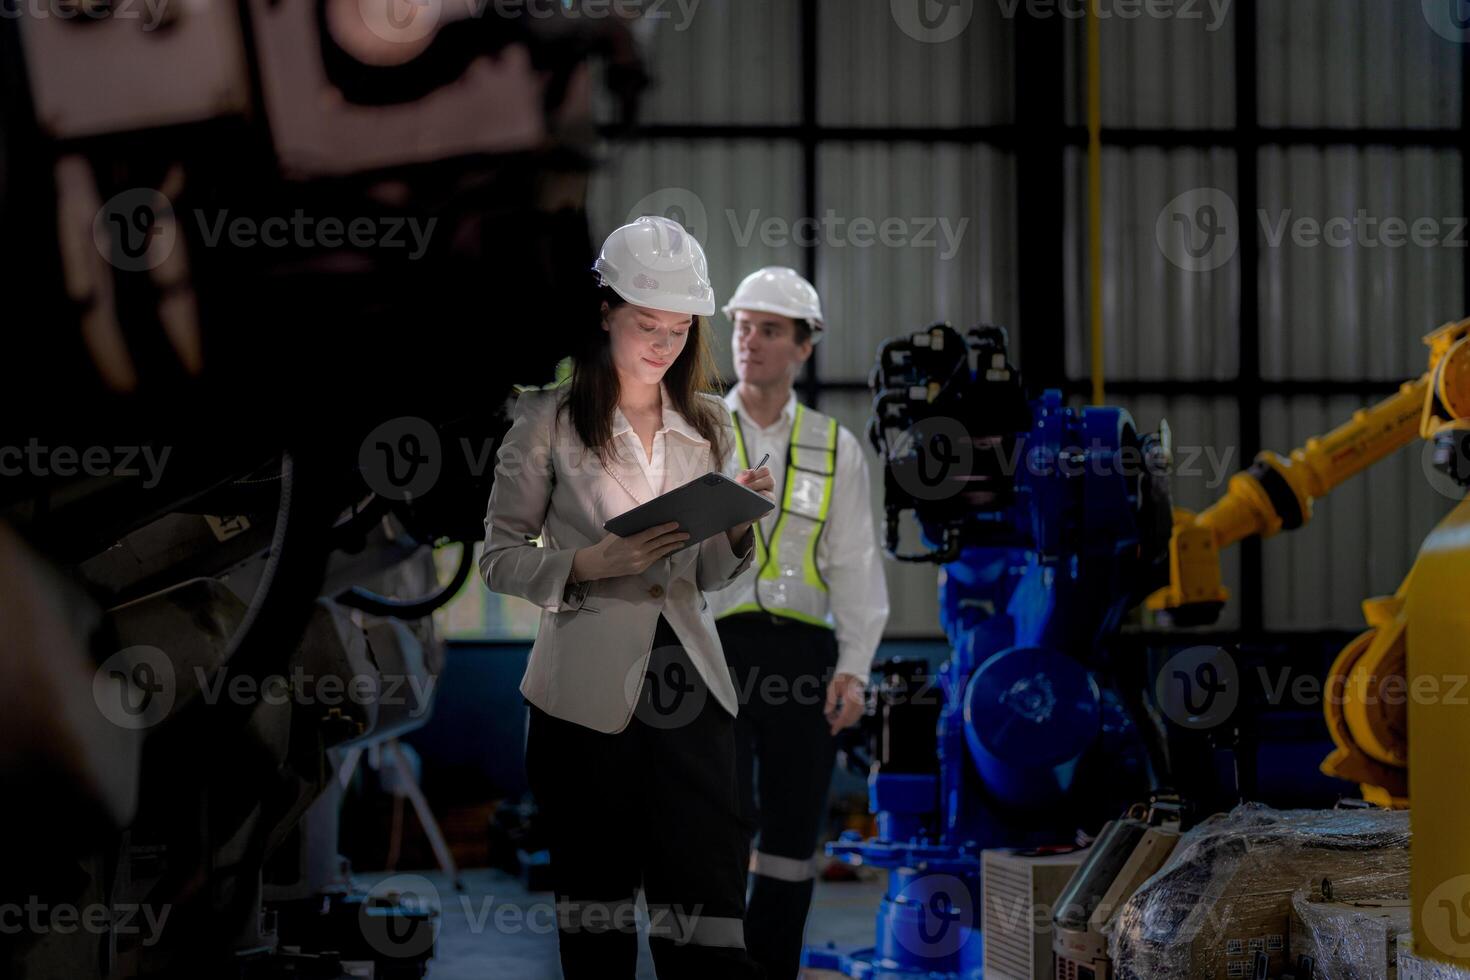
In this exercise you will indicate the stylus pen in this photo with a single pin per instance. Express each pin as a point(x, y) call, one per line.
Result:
point(762, 462)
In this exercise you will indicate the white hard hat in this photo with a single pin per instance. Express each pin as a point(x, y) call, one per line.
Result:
point(777, 289)
point(654, 262)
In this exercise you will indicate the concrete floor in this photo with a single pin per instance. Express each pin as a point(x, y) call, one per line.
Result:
point(495, 928)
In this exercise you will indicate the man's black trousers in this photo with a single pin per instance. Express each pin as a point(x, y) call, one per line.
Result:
point(785, 752)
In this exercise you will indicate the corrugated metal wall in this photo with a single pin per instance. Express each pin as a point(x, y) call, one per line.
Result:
point(722, 61)
point(1325, 312)
point(1355, 64)
point(955, 222)
point(874, 73)
point(1158, 73)
point(1358, 302)
point(1162, 323)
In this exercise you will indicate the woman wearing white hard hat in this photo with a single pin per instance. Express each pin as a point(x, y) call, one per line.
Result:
point(630, 750)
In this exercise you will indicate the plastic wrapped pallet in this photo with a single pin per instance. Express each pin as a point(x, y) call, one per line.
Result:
point(1347, 937)
point(1220, 908)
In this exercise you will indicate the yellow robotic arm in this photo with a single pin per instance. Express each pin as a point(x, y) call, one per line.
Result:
point(1276, 493)
point(1365, 704)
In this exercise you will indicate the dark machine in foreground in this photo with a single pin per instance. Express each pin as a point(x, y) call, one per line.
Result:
point(279, 264)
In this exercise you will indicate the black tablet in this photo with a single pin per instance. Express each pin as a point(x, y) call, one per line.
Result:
point(704, 507)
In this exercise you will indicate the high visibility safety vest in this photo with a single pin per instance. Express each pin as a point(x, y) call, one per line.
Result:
point(789, 583)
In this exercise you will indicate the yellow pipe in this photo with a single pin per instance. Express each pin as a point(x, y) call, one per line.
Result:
point(1094, 193)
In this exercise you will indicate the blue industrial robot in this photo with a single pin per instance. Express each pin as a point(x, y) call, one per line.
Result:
point(1049, 523)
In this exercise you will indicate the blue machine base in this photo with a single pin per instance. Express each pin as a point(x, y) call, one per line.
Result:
point(928, 923)
point(864, 964)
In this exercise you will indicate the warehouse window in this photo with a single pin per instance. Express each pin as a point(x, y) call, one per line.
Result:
point(476, 613)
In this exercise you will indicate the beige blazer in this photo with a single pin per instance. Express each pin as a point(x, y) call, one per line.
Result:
point(594, 641)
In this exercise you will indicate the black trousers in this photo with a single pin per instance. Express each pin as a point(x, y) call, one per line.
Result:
point(785, 752)
point(655, 805)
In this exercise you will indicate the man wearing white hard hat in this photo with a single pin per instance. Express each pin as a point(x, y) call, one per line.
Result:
point(801, 631)
point(630, 750)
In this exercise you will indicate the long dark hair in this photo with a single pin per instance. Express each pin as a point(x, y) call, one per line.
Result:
point(595, 386)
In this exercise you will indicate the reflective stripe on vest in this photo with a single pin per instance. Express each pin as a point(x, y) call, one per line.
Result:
point(789, 583)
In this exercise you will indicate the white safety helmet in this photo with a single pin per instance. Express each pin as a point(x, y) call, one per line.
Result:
point(654, 262)
point(777, 289)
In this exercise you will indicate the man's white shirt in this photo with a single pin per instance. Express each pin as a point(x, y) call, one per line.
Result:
point(847, 550)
